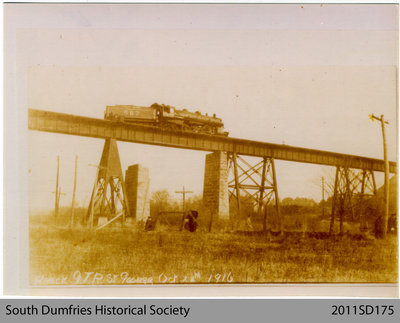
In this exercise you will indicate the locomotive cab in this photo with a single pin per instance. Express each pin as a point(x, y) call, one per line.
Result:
point(168, 111)
point(163, 110)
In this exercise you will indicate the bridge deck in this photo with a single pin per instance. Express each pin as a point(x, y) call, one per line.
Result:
point(99, 128)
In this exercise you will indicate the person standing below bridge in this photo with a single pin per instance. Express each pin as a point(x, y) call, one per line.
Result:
point(191, 221)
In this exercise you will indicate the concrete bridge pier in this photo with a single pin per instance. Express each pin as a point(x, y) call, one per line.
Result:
point(137, 182)
point(215, 189)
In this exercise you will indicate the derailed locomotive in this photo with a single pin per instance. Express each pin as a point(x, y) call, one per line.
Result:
point(166, 117)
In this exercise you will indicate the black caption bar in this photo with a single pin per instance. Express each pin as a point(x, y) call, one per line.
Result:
point(199, 310)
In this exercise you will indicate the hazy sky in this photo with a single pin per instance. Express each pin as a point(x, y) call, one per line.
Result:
point(305, 77)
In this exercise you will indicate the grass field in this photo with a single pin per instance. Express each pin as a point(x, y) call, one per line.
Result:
point(114, 256)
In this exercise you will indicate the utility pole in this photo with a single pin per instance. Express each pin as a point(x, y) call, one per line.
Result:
point(57, 206)
point(183, 192)
point(59, 195)
point(386, 168)
point(323, 196)
point(57, 191)
point(73, 192)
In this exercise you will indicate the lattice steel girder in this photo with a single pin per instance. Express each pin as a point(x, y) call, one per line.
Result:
point(109, 191)
point(258, 187)
point(253, 186)
point(351, 186)
point(98, 128)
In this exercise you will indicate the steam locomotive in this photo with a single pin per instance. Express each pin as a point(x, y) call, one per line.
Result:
point(166, 117)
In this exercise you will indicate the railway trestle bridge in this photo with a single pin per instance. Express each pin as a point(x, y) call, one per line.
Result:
point(258, 182)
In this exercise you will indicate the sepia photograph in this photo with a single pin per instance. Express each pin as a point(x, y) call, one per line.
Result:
point(202, 144)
